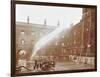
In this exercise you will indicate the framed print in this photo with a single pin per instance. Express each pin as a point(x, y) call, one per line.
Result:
point(52, 38)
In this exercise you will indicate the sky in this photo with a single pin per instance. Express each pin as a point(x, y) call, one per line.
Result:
point(37, 14)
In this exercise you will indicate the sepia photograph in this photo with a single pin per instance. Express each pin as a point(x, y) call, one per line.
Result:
point(54, 38)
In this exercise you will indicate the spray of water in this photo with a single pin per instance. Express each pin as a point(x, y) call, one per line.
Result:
point(43, 41)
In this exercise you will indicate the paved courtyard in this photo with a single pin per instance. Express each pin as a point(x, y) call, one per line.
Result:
point(72, 66)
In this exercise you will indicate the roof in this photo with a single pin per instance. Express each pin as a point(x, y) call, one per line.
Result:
point(35, 25)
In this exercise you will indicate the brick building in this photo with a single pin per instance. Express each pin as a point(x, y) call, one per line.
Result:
point(79, 40)
point(27, 35)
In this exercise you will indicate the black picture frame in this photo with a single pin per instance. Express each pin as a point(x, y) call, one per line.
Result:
point(13, 36)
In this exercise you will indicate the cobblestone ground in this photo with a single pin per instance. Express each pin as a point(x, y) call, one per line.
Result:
point(72, 66)
point(61, 66)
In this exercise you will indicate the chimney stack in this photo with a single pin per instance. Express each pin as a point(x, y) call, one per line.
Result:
point(58, 24)
point(28, 19)
point(45, 22)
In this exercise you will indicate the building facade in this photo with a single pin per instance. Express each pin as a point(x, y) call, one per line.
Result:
point(27, 35)
point(79, 40)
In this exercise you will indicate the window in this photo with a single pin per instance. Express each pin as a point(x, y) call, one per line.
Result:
point(22, 33)
point(74, 41)
point(62, 44)
point(56, 43)
point(22, 42)
point(89, 45)
point(87, 29)
point(64, 50)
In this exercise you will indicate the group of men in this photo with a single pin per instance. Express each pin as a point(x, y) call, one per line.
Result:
point(43, 64)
